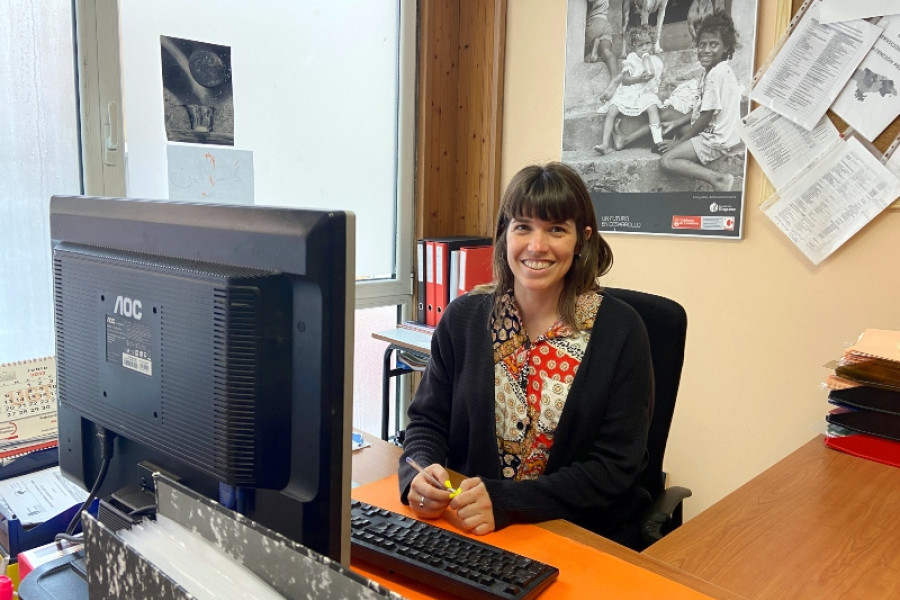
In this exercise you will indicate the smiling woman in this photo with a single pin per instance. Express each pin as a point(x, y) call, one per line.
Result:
point(539, 385)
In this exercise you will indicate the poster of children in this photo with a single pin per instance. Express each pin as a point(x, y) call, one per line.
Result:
point(654, 91)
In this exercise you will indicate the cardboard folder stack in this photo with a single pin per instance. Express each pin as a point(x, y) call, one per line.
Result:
point(865, 392)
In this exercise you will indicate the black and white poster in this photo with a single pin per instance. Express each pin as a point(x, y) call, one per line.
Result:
point(654, 93)
point(197, 91)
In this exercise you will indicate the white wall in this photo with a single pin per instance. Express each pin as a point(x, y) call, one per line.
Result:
point(762, 320)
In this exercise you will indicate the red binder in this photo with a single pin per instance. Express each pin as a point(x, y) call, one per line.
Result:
point(441, 278)
point(443, 246)
point(430, 315)
point(867, 446)
point(475, 267)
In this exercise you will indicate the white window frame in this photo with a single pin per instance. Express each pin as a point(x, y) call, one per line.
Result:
point(97, 31)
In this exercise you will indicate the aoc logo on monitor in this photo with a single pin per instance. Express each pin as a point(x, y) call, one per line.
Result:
point(127, 307)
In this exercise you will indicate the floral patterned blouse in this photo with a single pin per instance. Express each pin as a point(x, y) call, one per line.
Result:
point(531, 383)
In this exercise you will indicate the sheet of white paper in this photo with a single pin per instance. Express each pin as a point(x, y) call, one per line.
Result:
point(823, 208)
point(812, 67)
point(39, 496)
point(870, 101)
point(781, 147)
point(847, 10)
point(210, 174)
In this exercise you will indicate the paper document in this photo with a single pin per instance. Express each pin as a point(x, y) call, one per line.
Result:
point(40, 496)
point(871, 99)
point(882, 344)
point(359, 442)
point(825, 206)
point(846, 10)
point(812, 67)
point(781, 147)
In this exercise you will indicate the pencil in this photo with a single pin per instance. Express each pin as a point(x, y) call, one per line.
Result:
point(432, 479)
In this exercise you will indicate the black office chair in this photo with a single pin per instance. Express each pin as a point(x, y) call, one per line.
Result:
point(666, 323)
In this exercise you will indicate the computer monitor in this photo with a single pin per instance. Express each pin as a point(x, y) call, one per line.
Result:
point(215, 343)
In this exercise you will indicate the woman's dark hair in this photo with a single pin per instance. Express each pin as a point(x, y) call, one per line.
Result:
point(721, 23)
point(552, 192)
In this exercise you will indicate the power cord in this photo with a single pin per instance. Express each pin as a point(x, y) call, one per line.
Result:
point(106, 454)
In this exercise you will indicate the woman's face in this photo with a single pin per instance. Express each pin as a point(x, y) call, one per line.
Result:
point(540, 253)
point(710, 49)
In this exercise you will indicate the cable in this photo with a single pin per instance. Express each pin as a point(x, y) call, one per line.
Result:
point(142, 511)
point(106, 453)
point(72, 539)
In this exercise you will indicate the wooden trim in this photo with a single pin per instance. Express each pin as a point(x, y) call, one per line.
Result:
point(460, 116)
point(492, 202)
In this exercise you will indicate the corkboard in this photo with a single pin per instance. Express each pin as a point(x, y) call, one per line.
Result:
point(786, 10)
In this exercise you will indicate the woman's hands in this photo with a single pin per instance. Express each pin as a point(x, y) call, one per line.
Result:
point(473, 506)
point(425, 500)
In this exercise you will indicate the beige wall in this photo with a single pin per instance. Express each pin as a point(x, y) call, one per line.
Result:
point(762, 320)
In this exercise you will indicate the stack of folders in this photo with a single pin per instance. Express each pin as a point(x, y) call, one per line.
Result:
point(196, 549)
point(865, 392)
point(447, 267)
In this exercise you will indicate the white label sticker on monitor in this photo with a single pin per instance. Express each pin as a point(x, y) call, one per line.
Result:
point(129, 343)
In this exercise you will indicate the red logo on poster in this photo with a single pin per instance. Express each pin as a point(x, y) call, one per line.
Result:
point(729, 224)
point(682, 222)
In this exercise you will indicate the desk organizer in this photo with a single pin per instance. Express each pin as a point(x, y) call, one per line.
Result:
point(116, 570)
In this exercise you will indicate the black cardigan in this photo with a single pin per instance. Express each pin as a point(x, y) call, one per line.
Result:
point(600, 444)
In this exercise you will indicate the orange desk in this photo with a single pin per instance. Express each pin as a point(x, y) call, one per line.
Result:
point(819, 524)
point(590, 566)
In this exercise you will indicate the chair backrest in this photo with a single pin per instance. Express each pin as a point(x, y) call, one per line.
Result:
point(666, 323)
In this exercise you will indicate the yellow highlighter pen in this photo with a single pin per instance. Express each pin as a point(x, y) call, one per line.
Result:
point(432, 479)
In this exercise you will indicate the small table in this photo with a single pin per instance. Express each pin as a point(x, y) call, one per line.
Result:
point(400, 340)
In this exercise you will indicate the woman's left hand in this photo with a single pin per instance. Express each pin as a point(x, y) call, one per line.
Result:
point(473, 506)
point(425, 500)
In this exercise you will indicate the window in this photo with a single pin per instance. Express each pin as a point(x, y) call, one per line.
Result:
point(39, 158)
point(323, 104)
point(321, 107)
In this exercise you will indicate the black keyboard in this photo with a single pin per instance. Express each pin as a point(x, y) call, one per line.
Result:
point(442, 559)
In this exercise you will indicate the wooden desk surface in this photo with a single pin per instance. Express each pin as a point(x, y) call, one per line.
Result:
point(819, 524)
point(381, 459)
